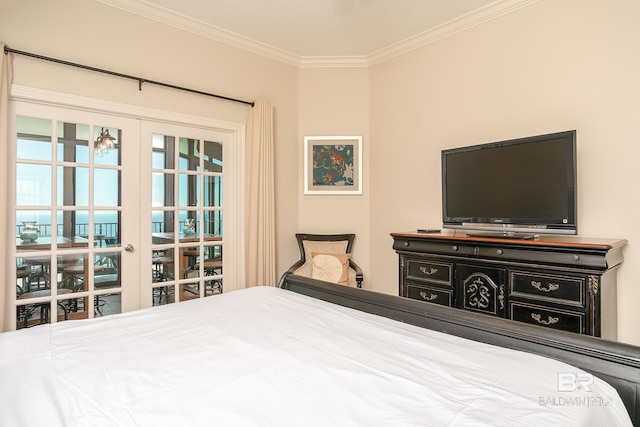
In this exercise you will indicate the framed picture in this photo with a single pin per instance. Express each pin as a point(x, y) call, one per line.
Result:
point(332, 165)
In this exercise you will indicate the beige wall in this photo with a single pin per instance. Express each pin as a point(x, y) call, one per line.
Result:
point(92, 33)
point(335, 102)
point(552, 66)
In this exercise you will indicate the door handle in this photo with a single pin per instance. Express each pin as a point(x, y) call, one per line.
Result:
point(129, 248)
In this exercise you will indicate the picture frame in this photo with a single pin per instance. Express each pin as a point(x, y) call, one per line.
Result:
point(333, 165)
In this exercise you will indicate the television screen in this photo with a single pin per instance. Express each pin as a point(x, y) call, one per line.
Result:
point(526, 184)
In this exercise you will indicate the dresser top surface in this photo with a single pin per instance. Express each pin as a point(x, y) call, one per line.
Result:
point(549, 240)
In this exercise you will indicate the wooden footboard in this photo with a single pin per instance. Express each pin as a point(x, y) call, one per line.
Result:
point(616, 363)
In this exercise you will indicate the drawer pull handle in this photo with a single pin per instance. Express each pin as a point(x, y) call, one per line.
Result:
point(428, 297)
point(538, 318)
point(428, 272)
point(550, 288)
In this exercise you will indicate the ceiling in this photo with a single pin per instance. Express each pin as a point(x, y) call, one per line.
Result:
point(298, 30)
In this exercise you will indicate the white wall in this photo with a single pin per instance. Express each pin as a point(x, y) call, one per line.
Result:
point(551, 66)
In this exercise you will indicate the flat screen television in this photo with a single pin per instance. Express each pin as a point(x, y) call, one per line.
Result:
point(513, 188)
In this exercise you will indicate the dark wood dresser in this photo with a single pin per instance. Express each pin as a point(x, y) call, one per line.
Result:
point(559, 282)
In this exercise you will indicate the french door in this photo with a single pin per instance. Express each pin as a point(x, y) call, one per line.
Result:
point(72, 216)
point(191, 221)
point(114, 213)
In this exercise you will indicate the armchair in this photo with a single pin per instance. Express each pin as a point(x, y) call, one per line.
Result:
point(327, 257)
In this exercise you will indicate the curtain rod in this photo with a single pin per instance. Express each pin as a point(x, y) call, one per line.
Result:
point(140, 80)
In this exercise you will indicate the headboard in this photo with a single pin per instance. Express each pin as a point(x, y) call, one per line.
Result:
point(616, 363)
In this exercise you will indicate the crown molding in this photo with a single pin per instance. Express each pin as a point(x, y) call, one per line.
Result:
point(462, 23)
point(333, 61)
point(165, 16)
point(477, 17)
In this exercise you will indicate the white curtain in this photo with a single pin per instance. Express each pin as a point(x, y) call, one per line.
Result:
point(259, 203)
point(6, 76)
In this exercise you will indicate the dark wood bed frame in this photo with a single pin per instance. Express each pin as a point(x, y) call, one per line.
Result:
point(616, 363)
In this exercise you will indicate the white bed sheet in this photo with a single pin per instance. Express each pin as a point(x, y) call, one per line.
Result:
point(269, 357)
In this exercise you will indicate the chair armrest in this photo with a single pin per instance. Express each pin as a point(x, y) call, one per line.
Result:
point(358, 270)
point(295, 266)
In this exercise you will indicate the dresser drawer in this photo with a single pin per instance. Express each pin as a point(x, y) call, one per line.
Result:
point(429, 271)
point(566, 290)
point(430, 294)
point(555, 319)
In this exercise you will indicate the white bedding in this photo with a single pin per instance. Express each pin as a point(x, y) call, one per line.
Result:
point(269, 357)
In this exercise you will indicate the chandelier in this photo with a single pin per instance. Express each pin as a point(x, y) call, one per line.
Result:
point(104, 142)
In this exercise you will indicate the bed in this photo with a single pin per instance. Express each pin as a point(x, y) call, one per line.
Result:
point(311, 353)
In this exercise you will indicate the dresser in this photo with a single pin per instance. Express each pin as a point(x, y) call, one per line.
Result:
point(559, 282)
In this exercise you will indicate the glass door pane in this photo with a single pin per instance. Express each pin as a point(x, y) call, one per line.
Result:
point(68, 217)
point(186, 215)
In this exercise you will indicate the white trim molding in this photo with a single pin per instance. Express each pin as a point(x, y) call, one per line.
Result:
point(48, 97)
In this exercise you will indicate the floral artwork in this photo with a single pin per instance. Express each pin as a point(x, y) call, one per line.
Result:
point(333, 164)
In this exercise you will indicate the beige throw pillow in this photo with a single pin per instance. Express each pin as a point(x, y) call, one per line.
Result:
point(330, 267)
point(320, 246)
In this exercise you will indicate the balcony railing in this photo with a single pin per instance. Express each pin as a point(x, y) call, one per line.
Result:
point(107, 230)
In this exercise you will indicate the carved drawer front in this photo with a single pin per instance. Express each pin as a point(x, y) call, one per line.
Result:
point(555, 319)
point(429, 294)
point(565, 290)
point(429, 271)
point(481, 288)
